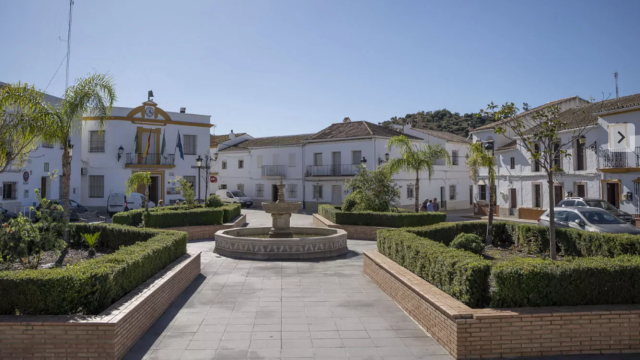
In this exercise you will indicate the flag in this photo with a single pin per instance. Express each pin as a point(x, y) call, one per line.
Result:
point(146, 150)
point(136, 142)
point(179, 146)
point(164, 143)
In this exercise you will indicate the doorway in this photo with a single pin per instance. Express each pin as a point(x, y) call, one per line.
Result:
point(443, 201)
point(558, 191)
point(43, 187)
point(470, 194)
point(274, 192)
point(513, 199)
point(336, 160)
point(613, 194)
point(153, 189)
point(581, 190)
point(336, 195)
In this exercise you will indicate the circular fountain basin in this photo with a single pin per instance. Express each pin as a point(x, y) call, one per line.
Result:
point(311, 243)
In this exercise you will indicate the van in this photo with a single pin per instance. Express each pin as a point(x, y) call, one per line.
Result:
point(118, 202)
point(235, 197)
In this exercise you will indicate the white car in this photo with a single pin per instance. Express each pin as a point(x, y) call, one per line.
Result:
point(118, 202)
point(588, 219)
point(235, 197)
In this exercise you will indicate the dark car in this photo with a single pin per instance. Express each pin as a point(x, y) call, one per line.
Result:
point(75, 209)
point(7, 215)
point(597, 203)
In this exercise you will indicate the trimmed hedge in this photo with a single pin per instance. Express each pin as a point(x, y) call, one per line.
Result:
point(231, 211)
point(459, 273)
point(445, 232)
point(380, 219)
point(134, 217)
point(91, 286)
point(178, 218)
point(580, 281)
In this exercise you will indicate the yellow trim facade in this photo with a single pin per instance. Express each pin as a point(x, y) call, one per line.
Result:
point(160, 174)
point(148, 121)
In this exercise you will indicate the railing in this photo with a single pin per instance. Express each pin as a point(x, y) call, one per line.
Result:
point(150, 159)
point(333, 170)
point(96, 146)
point(274, 170)
point(620, 158)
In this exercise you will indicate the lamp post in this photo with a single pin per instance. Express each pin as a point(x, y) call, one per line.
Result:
point(120, 151)
point(386, 158)
point(199, 166)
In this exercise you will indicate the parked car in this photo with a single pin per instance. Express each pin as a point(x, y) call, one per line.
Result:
point(598, 203)
point(235, 197)
point(588, 219)
point(118, 202)
point(7, 215)
point(75, 209)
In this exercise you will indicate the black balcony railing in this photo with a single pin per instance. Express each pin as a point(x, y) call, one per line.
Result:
point(620, 158)
point(333, 170)
point(150, 159)
point(274, 170)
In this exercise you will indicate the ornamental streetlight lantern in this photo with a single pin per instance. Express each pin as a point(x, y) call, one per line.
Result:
point(69, 148)
point(120, 151)
point(386, 157)
point(199, 166)
point(363, 161)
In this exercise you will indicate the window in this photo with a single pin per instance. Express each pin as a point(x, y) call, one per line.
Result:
point(581, 190)
point(224, 165)
point(223, 186)
point(292, 191)
point(46, 166)
point(537, 195)
point(452, 192)
point(572, 217)
point(580, 203)
point(96, 141)
point(189, 144)
point(96, 186)
point(259, 190)
point(482, 189)
point(356, 156)
point(47, 145)
point(513, 198)
point(535, 163)
point(317, 159)
point(317, 191)
point(292, 160)
point(557, 159)
point(560, 215)
point(10, 190)
point(191, 180)
point(240, 164)
point(580, 161)
point(410, 191)
point(241, 187)
point(26, 193)
point(454, 157)
point(512, 165)
point(259, 160)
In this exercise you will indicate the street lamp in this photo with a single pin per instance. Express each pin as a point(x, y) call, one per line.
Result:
point(386, 158)
point(69, 148)
point(120, 151)
point(199, 166)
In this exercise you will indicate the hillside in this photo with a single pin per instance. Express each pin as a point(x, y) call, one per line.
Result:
point(441, 120)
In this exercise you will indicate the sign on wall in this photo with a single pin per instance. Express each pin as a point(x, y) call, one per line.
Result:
point(25, 176)
point(213, 179)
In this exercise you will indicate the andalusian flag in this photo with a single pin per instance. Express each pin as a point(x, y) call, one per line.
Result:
point(136, 142)
point(164, 143)
point(146, 149)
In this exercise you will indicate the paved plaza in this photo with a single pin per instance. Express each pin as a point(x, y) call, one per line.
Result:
point(241, 309)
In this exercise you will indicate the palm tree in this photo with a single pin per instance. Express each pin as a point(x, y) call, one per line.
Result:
point(137, 179)
point(414, 157)
point(478, 159)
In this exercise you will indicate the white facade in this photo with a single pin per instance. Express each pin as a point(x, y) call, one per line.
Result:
point(147, 124)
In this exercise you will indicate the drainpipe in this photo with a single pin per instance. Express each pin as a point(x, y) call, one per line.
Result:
point(302, 162)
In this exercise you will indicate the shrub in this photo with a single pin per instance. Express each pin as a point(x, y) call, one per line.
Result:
point(231, 211)
point(213, 201)
point(373, 190)
point(579, 281)
point(349, 203)
point(461, 274)
point(177, 218)
point(446, 232)
point(468, 242)
point(93, 285)
point(134, 217)
point(381, 219)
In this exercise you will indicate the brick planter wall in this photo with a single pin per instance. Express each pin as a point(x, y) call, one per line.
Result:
point(209, 231)
point(478, 333)
point(353, 231)
point(108, 335)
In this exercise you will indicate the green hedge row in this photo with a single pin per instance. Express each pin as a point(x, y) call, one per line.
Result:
point(178, 218)
point(231, 211)
point(578, 281)
point(459, 273)
point(380, 219)
point(134, 217)
point(93, 285)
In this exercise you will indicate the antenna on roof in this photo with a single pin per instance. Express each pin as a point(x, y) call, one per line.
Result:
point(615, 75)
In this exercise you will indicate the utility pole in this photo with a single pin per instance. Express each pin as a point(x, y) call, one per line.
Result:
point(615, 75)
point(66, 85)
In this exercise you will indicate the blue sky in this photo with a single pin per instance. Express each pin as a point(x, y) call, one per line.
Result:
point(294, 66)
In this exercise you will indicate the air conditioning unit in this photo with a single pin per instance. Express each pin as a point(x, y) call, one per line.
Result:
point(84, 171)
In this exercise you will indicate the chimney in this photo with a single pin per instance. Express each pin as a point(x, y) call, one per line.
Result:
point(232, 135)
point(183, 110)
point(346, 120)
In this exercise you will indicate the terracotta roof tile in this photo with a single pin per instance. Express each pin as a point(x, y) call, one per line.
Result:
point(272, 141)
point(444, 135)
point(215, 140)
point(355, 129)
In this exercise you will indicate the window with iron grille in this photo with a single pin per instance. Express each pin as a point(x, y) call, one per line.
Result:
point(224, 165)
point(454, 157)
point(317, 191)
point(410, 191)
point(96, 141)
point(223, 187)
point(189, 144)
point(482, 190)
point(512, 164)
point(96, 186)
point(191, 180)
point(452, 192)
point(10, 190)
point(46, 166)
point(259, 190)
point(240, 164)
point(241, 187)
point(292, 191)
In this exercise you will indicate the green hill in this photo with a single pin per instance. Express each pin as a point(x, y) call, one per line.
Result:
point(441, 120)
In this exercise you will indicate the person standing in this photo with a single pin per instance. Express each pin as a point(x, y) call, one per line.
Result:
point(436, 206)
point(429, 206)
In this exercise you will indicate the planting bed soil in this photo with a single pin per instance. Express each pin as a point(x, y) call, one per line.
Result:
point(74, 256)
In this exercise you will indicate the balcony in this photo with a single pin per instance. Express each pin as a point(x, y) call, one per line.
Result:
point(152, 160)
point(332, 170)
point(619, 160)
point(274, 171)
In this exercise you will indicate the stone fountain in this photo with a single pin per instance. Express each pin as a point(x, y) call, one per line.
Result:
point(281, 241)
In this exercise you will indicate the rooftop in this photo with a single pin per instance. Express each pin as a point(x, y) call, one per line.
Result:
point(272, 141)
point(355, 129)
point(444, 135)
point(214, 140)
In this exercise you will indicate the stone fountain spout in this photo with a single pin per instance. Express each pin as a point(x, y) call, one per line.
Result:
point(281, 214)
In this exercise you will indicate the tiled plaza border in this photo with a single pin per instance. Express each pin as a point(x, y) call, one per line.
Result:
point(208, 231)
point(359, 232)
point(483, 333)
point(108, 335)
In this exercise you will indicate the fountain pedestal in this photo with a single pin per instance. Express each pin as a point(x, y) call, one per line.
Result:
point(281, 214)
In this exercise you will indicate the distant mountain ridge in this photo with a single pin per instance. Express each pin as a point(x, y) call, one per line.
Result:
point(441, 120)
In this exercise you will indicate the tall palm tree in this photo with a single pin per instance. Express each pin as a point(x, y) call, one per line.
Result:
point(414, 157)
point(479, 159)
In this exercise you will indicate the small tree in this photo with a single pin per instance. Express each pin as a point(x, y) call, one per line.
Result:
point(416, 158)
point(186, 189)
point(373, 190)
point(478, 159)
point(137, 179)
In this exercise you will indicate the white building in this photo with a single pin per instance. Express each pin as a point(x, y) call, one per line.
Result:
point(111, 155)
point(19, 183)
point(604, 163)
point(315, 166)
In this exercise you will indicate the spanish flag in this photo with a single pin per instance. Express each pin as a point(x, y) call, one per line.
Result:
point(146, 149)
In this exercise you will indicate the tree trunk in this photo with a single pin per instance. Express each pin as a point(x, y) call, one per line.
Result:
point(146, 201)
point(489, 238)
point(66, 184)
point(417, 187)
point(552, 220)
